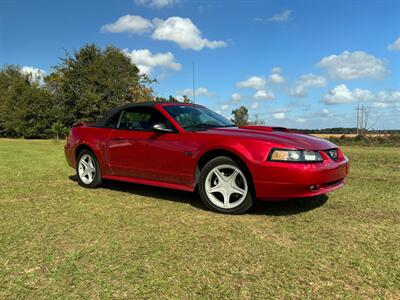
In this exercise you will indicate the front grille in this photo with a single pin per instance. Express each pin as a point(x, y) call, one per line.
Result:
point(332, 153)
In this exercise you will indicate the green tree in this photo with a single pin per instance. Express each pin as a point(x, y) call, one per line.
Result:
point(186, 99)
point(59, 130)
point(92, 80)
point(256, 120)
point(169, 99)
point(240, 116)
point(26, 107)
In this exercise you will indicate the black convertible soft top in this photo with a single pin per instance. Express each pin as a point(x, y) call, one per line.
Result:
point(113, 111)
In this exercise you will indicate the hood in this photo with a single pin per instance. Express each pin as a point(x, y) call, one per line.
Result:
point(281, 137)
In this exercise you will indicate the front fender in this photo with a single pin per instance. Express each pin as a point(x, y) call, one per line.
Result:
point(249, 151)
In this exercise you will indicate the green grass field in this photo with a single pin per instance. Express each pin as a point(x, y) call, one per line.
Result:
point(59, 240)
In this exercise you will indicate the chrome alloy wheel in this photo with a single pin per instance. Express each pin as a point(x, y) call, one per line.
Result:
point(226, 186)
point(86, 169)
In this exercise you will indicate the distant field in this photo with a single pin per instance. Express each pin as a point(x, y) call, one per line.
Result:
point(59, 240)
point(338, 135)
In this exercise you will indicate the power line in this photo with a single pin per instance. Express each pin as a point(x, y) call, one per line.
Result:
point(358, 118)
point(362, 118)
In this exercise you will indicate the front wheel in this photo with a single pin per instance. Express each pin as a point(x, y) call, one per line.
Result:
point(225, 187)
point(88, 169)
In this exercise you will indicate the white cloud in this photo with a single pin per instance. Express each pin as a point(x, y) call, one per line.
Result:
point(175, 29)
point(258, 19)
point(129, 23)
point(276, 70)
point(37, 75)
point(183, 32)
point(224, 107)
point(253, 82)
point(395, 46)
point(379, 105)
point(325, 112)
point(235, 98)
point(363, 95)
point(305, 82)
point(201, 92)
point(353, 65)
point(389, 96)
point(341, 95)
point(254, 105)
point(276, 78)
point(147, 61)
point(281, 17)
point(264, 95)
point(300, 120)
point(279, 115)
point(156, 3)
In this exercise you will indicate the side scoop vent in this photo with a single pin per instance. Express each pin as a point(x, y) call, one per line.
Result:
point(265, 128)
point(280, 129)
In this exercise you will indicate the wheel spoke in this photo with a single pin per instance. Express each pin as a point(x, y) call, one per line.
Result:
point(227, 197)
point(220, 176)
point(237, 190)
point(232, 177)
point(215, 189)
point(91, 165)
point(85, 164)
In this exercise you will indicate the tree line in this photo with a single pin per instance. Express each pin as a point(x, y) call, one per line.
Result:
point(81, 87)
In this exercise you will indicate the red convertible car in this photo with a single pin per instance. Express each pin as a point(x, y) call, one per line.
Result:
point(188, 147)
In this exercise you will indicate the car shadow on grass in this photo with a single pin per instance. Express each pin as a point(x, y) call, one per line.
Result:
point(288, 207)
point(269, 208)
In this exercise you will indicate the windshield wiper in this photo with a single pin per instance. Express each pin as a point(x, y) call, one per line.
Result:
point(205, 126)
point(201, 126)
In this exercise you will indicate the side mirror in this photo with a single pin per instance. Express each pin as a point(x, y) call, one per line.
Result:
point(161, 127)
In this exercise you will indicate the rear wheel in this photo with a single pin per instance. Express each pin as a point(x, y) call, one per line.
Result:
point(88, 169)
point(224, 186)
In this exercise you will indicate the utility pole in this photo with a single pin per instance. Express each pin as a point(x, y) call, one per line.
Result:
point(194, 90)
point(362, 118)
point(358, 118)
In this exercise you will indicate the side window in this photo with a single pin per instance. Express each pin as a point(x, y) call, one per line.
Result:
point(185, 119)
point(142, 118)
point(113, 122)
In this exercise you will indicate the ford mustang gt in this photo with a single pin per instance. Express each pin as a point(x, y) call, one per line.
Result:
point(189, 147)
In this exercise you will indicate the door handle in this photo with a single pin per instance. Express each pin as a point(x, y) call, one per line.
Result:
point(117, 139)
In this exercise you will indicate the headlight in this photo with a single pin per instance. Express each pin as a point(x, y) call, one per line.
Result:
point(295, 155)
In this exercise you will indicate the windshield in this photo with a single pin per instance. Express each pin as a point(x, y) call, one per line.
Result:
point(196, 118)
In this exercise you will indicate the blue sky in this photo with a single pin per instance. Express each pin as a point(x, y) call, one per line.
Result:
point(304, 64)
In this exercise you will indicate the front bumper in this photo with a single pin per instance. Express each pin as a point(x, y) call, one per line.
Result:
point(275, 181)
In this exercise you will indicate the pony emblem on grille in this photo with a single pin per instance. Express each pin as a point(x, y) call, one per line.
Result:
point(333, 154)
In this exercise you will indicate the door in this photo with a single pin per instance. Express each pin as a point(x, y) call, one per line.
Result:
point(135, 150)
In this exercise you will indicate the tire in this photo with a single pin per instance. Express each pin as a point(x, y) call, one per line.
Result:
point(87, 161)
point(225, 186)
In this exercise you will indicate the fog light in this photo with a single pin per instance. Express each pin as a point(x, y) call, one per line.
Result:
point(314, 187)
